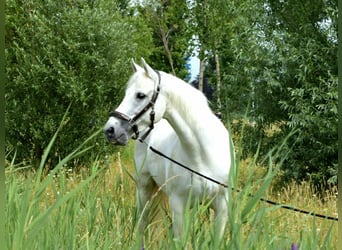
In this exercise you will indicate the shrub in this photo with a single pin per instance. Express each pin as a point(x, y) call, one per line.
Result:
point(61, 53)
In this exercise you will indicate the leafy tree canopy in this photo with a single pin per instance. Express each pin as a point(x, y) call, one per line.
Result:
point(60, 53)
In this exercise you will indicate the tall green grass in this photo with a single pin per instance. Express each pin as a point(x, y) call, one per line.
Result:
point(94, 208)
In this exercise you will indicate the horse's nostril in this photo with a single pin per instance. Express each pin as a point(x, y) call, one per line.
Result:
point(110, 131)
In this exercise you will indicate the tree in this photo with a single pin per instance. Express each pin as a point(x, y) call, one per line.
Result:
point(211, 18)
point(171, 35)
point(277, 59)
point(62, 53)
point(311, 87)
point(224, 31)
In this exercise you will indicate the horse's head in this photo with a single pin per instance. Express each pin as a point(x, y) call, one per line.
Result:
point(141, 107)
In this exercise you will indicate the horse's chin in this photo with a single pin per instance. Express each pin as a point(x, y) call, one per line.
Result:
point(122, 140)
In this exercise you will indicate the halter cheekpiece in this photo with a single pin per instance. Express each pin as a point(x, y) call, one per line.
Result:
point(132, 121)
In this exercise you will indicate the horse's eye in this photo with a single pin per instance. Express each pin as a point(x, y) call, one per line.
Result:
point(140, 95)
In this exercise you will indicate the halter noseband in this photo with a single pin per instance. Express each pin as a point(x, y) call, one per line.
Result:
point(132, 121)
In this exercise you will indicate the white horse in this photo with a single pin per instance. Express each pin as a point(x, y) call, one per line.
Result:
point(186, 130)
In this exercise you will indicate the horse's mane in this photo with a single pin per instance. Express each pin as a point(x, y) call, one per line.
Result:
point(191, 102)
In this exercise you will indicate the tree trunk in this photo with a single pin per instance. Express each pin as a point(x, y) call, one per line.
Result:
point(165, 39)
point(203, 38)
point(218, 81)
point(201, 74)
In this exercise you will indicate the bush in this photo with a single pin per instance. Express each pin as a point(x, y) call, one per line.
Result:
point(282, 68)
point(313, 111)
point(61, 53)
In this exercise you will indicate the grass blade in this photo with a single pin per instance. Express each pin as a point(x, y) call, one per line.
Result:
point(38, 222)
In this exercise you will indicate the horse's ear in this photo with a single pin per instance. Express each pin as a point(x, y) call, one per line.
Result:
point(135, 66)
point(151, 73)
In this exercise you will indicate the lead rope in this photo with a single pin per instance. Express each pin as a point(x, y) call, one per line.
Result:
point(238, 190)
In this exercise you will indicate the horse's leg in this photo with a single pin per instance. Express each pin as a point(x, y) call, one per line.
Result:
point(220, 206)
point(177, 206)
point(145, 189)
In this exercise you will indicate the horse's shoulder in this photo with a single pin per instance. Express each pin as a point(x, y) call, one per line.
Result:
point(163, 134)
point(162, 137)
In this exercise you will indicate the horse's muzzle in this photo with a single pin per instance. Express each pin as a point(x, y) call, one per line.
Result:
point(116, 136)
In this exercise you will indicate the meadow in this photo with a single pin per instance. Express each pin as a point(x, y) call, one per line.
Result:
point(93, 207)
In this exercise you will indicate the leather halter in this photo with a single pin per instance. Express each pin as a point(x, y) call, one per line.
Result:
point(132, 121)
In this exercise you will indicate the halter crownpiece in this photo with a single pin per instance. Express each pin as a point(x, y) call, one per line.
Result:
point(132, 121)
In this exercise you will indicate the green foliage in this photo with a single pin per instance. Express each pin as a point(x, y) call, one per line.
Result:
point(313, 110)
point(171, 34)
point(278, 61)
point(61, 53)
point(309, 87)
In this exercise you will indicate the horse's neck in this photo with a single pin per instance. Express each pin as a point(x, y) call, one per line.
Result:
point(191, 118)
